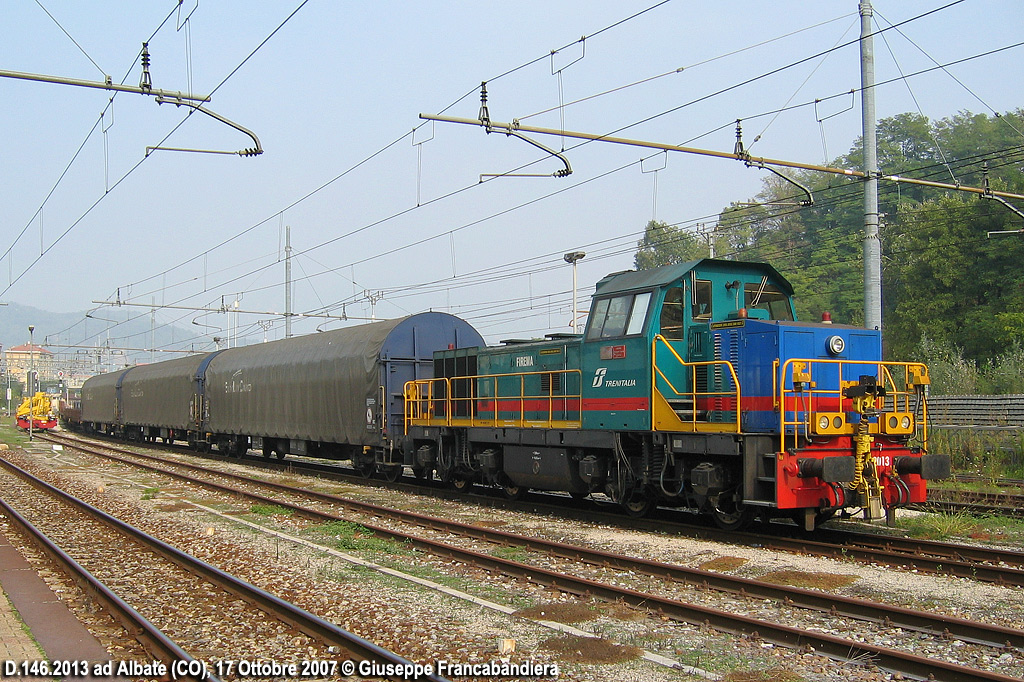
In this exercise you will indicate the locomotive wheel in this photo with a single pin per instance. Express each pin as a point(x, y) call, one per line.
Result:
point(639, 504)
point(732, 520)
point(462, 483)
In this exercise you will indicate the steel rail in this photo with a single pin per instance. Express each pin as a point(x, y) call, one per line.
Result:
point(933, 624)
point(303, 620)
point(836, 647)
point(138, 626)
point(999, 566)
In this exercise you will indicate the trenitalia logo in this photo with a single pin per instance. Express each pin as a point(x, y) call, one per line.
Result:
point(599, 381)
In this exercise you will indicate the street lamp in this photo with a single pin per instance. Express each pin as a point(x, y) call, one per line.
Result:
point(571, 258)
point(31, 378)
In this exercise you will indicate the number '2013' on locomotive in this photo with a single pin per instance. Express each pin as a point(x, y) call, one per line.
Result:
point(692, 386)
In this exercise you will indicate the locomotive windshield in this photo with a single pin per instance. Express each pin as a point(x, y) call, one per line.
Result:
point(767, 297)
point(619, 316)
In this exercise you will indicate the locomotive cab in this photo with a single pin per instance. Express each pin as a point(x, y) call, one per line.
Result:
point(749, 410)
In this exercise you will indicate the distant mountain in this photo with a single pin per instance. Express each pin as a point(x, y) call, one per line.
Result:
point(95, 343)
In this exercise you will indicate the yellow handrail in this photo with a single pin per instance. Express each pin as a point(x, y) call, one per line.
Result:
point(806, 401)
point(422, 401)
point(694, 394)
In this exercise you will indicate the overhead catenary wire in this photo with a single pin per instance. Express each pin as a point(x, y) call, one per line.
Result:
point(472, 91)
point(450, 194)
point(350, 233)
point(629, 248)
point(132, 169)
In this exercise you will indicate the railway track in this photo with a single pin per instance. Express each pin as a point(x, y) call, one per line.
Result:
point(155, 642)
point(999, 566)
point(204, 600)
point(976, 502)
point(568, 578)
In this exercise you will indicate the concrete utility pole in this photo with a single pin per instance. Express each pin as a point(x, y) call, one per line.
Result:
point(872, 244)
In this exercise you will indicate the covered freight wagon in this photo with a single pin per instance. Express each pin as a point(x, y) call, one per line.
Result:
point(333, 394)
point(158, 400)
point(101, 408)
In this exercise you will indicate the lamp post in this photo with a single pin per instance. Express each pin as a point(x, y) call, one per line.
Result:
point(571, 258)
point(31, 378)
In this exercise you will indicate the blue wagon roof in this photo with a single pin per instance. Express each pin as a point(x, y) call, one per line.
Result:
point(631, 280)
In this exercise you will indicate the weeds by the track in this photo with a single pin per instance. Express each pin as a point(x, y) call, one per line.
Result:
point(947, 525)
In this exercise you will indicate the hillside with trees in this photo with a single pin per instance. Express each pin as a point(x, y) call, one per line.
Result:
point(951, 295)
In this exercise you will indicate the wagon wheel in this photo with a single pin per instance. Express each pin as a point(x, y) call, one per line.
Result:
point(392, 473)
point(514, 492)
point(366, 468)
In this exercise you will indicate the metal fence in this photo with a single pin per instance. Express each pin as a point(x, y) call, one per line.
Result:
point(976, 411)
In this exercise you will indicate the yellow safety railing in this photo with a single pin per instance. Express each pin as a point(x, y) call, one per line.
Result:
point(670, 420)
point(803, 412)
point(431, 402)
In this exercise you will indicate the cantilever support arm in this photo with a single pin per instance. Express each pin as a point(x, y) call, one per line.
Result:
point(707, 152)
point(560, 173)
point(1008, 205)
point(809, 201)
point(252, 151)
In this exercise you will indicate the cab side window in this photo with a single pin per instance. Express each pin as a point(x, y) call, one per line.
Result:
point(702, 299)
point(672, 315)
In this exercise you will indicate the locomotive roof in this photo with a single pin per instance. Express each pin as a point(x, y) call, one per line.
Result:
point(630, 280)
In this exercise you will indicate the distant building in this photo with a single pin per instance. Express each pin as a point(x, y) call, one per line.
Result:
point(21, 358)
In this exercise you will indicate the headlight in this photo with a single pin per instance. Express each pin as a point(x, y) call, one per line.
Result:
point(837, 422)
point(835, 345)
point(905, 423)
point(893, 422)
point(823, 422)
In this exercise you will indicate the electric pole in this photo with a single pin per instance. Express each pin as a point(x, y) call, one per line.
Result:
point(872, 244)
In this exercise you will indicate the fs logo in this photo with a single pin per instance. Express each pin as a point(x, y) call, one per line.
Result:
point(599, 380)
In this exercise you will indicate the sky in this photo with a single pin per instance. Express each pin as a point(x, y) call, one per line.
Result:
point(387, 213)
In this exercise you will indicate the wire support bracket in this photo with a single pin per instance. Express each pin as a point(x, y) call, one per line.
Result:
point(251, 151)
point(750, 162)
point(988, 194)
point(513, 131)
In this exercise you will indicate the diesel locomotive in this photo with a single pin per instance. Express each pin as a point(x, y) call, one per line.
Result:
point(692, 386)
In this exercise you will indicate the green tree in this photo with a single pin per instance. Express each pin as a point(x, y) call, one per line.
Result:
point(664, 244)
point(941, 278)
